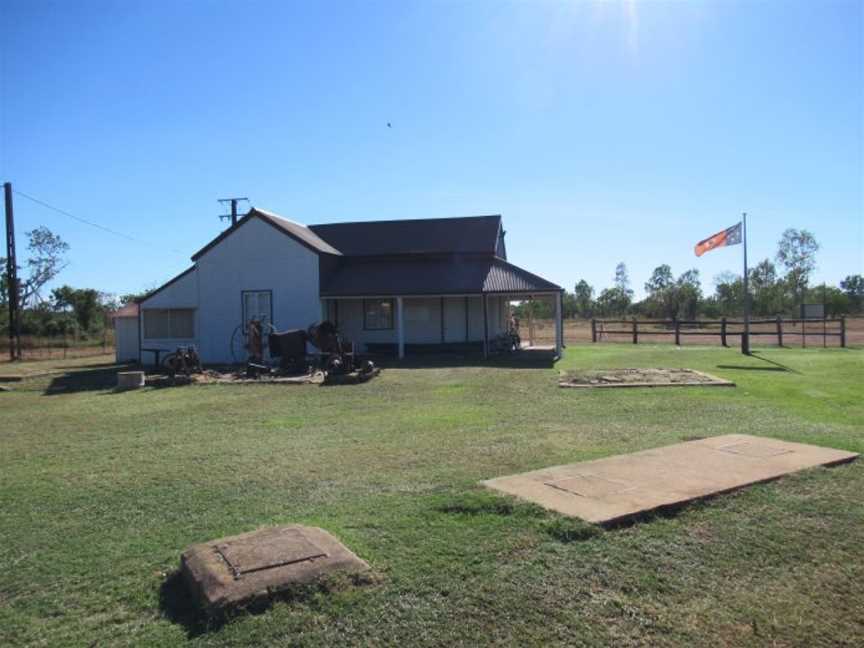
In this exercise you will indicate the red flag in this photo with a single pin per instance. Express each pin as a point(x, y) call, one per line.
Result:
point(729, 236)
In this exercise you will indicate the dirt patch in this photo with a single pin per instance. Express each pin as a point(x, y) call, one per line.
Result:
point(642, 377)
point(240, 377)
point(230, 377)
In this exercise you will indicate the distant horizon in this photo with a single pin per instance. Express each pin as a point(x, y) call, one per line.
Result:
point(600, 132)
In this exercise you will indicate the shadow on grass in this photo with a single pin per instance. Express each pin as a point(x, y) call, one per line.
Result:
point(774, 365)
point(178, 605)
point(526, 359)
point(119, 366)
point(743, 368)
point(567, 530)
point(560, 528)
point(83, 381)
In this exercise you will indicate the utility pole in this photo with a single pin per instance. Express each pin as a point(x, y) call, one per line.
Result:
point(233, 214)
point(12, 278)
point(745, 338)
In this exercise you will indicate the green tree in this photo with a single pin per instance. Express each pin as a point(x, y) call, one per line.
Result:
point(767, 291)
point(613, 301)
point(729, 293)
point(84, 303)
point(688, 295)
point(616, 300)
point(796, 252)
point(622, 280)
point(853, 286)
point(660, 288)
point(131, 297)
point(672, 298)
point(584, 299)
point(46, 259)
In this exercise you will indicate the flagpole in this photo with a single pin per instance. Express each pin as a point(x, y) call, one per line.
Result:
point(745, 339)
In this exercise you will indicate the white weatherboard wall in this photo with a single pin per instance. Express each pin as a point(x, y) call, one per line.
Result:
point(422, 320)
point(126, 339)
point(183, 293)
point(256, 256)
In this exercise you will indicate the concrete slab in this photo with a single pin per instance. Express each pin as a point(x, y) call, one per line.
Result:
point(610, 490)
point(241, 569)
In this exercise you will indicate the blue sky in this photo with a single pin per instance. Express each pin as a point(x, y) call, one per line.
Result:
point(602, 132)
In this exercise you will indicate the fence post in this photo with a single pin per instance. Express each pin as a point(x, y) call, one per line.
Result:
point(635, 332)
point(843, 331)
point(723, 332)
point(677, 332)
point(779, 331)
point(593, 330)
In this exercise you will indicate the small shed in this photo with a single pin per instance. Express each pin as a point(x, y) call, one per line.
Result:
point(126, 341)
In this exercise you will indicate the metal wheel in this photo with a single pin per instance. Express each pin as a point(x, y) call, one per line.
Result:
point(240, 342)
point(239, 351)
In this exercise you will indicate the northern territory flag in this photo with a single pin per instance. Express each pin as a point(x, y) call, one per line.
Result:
point(729, 236)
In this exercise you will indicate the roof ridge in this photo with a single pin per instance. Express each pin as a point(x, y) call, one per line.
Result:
point(406, 220)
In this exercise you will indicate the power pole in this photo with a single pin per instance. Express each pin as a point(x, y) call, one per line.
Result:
point(12, 278)
point(233, 214)
point(745, 338)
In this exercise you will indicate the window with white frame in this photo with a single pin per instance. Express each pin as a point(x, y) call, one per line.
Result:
point(169, 323)
point(377, 314)
point(258, 305)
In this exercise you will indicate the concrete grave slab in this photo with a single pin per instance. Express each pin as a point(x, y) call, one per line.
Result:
point(240, 569)
point(605, 491)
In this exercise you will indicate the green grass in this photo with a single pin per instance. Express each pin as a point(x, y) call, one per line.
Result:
point(100, 492)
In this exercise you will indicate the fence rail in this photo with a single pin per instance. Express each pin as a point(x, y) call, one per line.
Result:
point(35, 347)
point(780, 328)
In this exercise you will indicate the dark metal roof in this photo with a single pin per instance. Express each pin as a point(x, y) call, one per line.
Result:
point(472, 234)
point(428, 275)
point(298, 232)
point(504, 277)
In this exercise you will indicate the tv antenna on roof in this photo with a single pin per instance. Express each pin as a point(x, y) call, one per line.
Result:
point(233, 214)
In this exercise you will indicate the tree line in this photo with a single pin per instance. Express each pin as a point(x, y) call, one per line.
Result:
point(65, 311)
point(777, 287)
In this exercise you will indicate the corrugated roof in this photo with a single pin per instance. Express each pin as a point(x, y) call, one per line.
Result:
point(471, 234)
point(453, 275)
point(305, 234)
point(508, 278)
point(298, 232)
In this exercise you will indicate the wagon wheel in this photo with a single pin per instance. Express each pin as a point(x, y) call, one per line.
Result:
point(240, 342)
point(239, 351)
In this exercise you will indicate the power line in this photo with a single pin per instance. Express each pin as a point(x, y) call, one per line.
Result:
point(92, 224)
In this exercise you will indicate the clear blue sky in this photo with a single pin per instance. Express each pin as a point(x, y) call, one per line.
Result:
point(601, 132)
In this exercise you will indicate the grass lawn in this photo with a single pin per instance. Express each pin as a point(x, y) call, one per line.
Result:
point(100, 492)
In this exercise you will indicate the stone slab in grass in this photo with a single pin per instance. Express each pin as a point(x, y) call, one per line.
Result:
point(641, 377)
point(611, 490)
point(242, 569)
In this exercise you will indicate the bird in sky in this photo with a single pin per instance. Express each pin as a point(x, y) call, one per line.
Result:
point(388, 125)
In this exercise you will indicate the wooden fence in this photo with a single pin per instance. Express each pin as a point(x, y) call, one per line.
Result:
point(778, 327)
point(60, 347)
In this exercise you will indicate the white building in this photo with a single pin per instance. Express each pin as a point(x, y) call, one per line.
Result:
point(397, 286)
